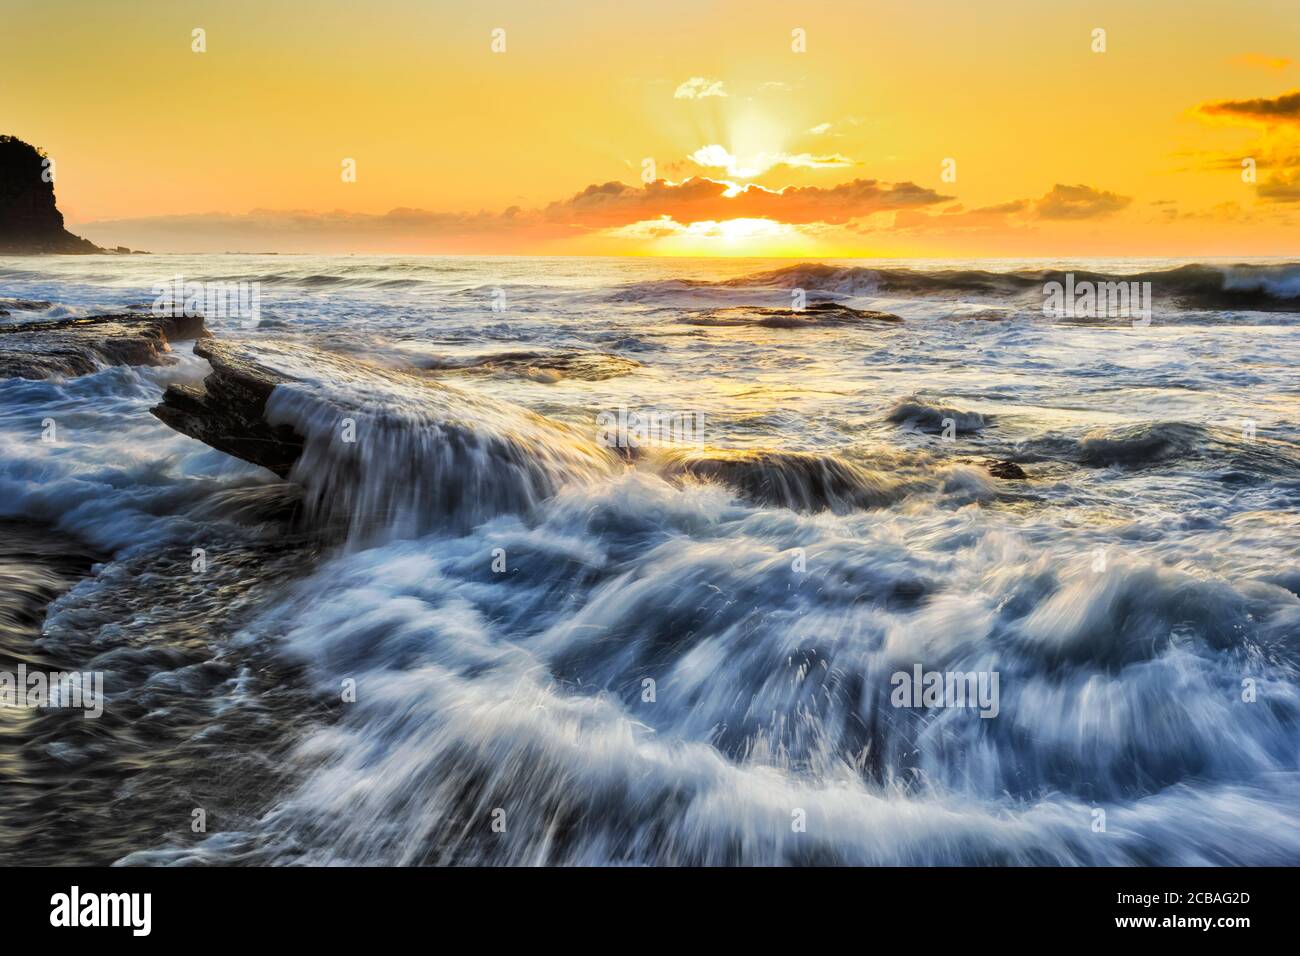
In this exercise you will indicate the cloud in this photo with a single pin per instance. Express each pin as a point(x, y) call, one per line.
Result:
point(668, 228)
point(820, 128)
point(1222, 212)
point(1078, 202)
point(1199, 160)
point(714, 156)
point(1278, 158)
point(696, 207)
point(616, 204)
point(699, 87)
point(957, 219)
point(1261, 61)
point(809, 161)
point(1061, 203)
point(1278, 161)
point(1277, 147)
point(1281, 187)
point(717, 157)
point(1264, 111)
point(289, 230)
point(600, 206)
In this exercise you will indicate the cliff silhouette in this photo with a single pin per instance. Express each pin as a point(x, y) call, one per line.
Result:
point(30, 222)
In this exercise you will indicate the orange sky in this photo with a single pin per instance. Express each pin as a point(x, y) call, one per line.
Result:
point(667, 127)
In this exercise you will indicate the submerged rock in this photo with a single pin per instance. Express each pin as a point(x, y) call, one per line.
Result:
point(379, 452)
point(1141, 444)
point(23, 305)
point(79, 346)
point(923, 415)
point(815, 315)
point(801, 481)
point(37, 563)
point(545, 367)
point(1005, 469)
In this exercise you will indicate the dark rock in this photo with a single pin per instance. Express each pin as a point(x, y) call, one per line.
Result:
point(24, 305)
point(37, 563)
point(797, 480)
point(508, 456)
point(546, 367)
point(1005, 469)
point(922, 415)
point(30, 223)
point(227, 411)
point(1143, 443)
point(79, 346)
point(815, 315)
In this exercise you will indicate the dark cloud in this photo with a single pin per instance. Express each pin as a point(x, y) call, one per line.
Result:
point(1062, 203)
point(1078, 202)
point(699, 199)
point(956, 218)
point(601, 205)
point(1282, 187)
point(1278, 109)
point(1261, 61)
point(279, 230)
point(1277, 149)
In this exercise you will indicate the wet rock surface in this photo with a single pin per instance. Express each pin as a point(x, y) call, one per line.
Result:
point(797, 480)
point(8, 306)
point(227, 411)
point(1007, 470)
point(815, 315)
point(178, 729)
point(72, 347)
point(545, 367)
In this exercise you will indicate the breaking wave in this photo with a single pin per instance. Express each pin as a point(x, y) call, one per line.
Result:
point(388, 453)
point(918, 413)
point(1243, 287)
point(561, 654)
point(1255, 287)
point(769, 697)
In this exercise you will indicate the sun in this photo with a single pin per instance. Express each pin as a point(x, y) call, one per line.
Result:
point(741, 236)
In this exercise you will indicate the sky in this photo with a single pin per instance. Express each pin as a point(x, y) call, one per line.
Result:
point(936, 128)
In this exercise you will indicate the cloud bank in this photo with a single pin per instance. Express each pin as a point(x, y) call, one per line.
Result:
point(698, 88)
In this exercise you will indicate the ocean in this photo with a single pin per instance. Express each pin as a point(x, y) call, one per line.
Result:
point(624, 559)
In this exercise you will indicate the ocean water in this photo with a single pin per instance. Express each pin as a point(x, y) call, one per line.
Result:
point(478, 635)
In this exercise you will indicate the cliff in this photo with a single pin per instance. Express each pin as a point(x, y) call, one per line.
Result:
point(30, 222)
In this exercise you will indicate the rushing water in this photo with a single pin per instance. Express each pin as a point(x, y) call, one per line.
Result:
point(500, 587)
